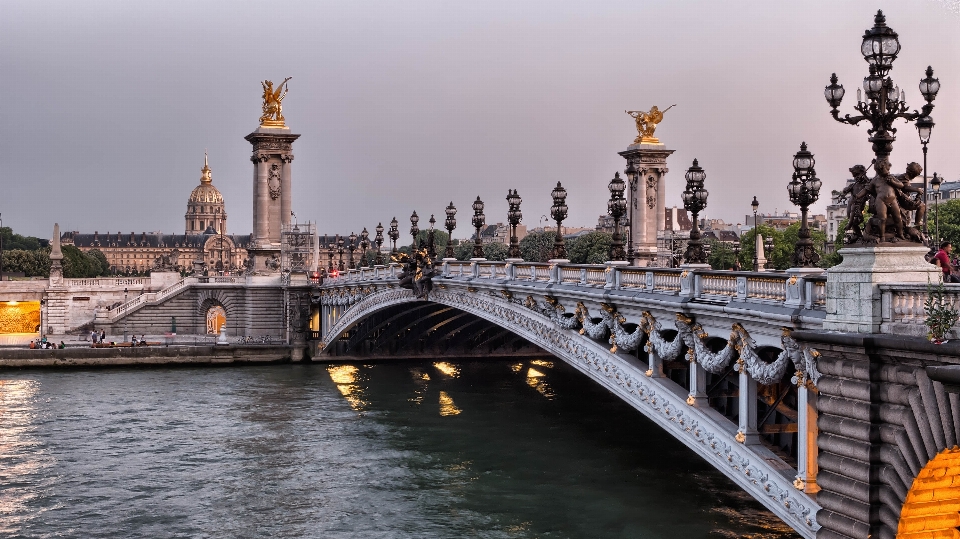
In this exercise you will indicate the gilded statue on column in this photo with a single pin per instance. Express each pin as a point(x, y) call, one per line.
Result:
point(647, 123)
point(273, 103)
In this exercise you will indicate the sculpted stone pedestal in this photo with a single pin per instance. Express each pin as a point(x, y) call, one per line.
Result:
point(853, 286)
point(272, 193)
point(647, 197)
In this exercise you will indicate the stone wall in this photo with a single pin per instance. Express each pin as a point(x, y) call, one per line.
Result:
point(881, 420)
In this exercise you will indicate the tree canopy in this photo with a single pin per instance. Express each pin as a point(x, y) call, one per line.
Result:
point(590, 248)
point(537, 246)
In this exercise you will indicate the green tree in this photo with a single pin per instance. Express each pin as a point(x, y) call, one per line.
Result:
point(783, 250)
point(98, 262)
point(834, 258)
point(721, 256)
point(491, 251)
point(13, 241)
point(76, 264)
point(537, 246)
point(748, 243)
point(948, 215)
point(590, 248)
point(30, 263)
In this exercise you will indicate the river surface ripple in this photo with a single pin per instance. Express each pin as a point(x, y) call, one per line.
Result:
point(485, 449)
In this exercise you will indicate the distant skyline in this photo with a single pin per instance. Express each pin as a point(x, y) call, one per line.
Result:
point(109, 106)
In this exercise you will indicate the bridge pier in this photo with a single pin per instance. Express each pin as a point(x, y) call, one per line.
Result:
point(747, 433)
point(698, 384)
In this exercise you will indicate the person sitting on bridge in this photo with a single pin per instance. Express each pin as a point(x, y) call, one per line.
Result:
point(942, 260)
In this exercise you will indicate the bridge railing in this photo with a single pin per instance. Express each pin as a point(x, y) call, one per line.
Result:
point(903, 307)
point(114, 282)
point(714, 286)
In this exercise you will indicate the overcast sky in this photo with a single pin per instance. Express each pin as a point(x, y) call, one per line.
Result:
point(107, 107)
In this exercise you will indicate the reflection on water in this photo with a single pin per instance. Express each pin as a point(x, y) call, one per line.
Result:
point(23, 461)
point(345, 376)
point(447, 368)
point(350, 451)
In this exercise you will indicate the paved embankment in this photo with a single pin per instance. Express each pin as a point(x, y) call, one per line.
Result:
point(143, 355)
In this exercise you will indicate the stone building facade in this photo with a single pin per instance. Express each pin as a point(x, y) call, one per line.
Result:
point(205, 239)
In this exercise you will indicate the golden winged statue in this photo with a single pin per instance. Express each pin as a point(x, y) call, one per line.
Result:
point(273, 103)
point(647, 123)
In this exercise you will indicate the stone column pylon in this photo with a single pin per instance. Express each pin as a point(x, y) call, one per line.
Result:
point(272, 154)
point(647, 197)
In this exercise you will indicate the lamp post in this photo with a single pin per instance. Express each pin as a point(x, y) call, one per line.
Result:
point(885, 102)
point(616, 207)
point(695, 200)
point(124, 318)
point(379, 241)
point(924, 128)
point(632, 174)
point(768, 245)
point(736, 257)
point(756, 262)
point(340, 253)
point(330, 247)
point(431, 239)
point(559, 212)
point(414, 229)
point(450, 223)
point(364, 245)
point(44, 302)
point(935, 183)
point(352, 247)
point(804, 190)
point(514, 216)
point(478, 221)
point(394, 235)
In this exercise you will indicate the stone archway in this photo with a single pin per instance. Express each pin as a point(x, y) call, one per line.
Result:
point(216, 318)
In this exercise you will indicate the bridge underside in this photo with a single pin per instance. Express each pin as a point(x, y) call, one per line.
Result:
point(425, 329)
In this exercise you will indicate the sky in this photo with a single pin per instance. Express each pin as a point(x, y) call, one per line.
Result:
point(107, 107)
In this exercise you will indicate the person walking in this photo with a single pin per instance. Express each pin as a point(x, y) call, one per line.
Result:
point(942, 260)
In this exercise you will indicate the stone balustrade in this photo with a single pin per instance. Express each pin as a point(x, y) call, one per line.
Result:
point(706, 285)
point(902, 308)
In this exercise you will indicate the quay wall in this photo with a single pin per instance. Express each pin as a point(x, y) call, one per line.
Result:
point(145, 356)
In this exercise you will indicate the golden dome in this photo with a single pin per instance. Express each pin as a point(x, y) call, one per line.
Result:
point(206, 192)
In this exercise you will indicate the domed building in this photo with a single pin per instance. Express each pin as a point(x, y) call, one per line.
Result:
point(205, 206)
point(204, 239)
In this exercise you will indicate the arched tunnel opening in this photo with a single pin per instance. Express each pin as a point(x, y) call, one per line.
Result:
point(426, 329)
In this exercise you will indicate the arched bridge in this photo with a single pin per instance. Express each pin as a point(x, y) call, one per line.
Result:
point(706, 355)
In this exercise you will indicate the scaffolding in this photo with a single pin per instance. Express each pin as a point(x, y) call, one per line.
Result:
point(296, 247)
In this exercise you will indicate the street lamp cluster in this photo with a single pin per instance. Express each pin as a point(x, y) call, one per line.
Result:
point(804, 190)
point(695, 201)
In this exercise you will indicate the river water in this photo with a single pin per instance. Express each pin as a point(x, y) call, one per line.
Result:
point(484, 449)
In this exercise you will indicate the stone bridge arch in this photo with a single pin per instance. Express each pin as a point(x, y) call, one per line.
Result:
point(709, 433)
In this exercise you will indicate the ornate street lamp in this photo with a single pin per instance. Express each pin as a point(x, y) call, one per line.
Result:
point(924, 129)
point(935, 183)
point(478, 221)
point(804, 190)
point(352, 247)
point(414, 229)
point(394, 235)
point(364, 245)
point(756, 261)
point(695, 200)
point(885, 102)
point(451, 224)
point(431, 239)
point(616, 207)
point(768, 246)
point(379, 241)
point(514, 216)
point(559, 212)
point(340, 252)
point(632, 174)
point(330, 248)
